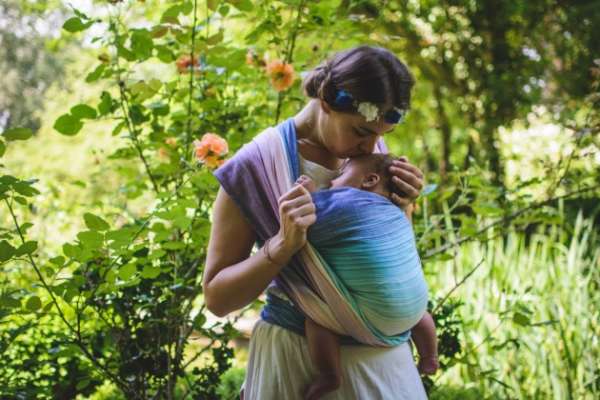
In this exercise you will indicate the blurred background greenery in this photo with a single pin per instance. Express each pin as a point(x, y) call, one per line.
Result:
point(504, 122)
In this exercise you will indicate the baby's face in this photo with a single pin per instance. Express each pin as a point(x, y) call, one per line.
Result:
point(352, 174)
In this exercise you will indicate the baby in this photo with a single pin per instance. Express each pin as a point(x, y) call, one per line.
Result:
point(368, 173)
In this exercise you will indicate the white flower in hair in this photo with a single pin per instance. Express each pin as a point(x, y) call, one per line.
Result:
point(368, 110)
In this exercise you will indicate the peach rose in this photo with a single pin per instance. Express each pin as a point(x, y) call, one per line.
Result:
point(185, 63)
point(171, 141)
point(281, 74)
point(163, 153)
point(211, 150)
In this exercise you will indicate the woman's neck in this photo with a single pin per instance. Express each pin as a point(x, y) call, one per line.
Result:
point(310, 145)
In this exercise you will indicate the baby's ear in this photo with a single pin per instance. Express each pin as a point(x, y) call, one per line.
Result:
point(370, 181)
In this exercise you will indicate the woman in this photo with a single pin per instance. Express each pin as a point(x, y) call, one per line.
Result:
point(338, 122)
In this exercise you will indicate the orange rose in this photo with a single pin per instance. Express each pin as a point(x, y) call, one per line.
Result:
point(251, 57)
point(163, 153)
point(211, 150)
point(185, 63)
point(281, 74)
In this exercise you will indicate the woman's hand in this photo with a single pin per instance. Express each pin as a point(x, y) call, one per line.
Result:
point(296, 214)
point(409, 179)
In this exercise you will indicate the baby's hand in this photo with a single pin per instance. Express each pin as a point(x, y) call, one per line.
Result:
point(308, 183)
point(428, 365)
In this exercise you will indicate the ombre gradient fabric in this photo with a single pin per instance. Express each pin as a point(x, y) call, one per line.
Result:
point(259, 173)
point(368, 245)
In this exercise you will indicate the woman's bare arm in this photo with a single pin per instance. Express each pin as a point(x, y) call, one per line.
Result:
point(232, 279)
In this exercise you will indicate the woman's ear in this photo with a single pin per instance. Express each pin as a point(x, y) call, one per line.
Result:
point(370, 181)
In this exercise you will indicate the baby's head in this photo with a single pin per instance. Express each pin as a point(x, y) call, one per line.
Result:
point(369, 172)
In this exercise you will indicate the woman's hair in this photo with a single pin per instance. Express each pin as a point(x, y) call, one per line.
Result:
point(369, 74)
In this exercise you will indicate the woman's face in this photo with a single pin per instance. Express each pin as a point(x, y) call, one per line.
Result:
point(349, 135)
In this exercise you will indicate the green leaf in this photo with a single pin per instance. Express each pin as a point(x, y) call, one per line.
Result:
point(83, 111)
point(27, 248)
point(95, 223)
point(242, 5)
point(82, 384)
point(2, 148)
point(75, 24)
point(18, 134)
point(521, 319)
point(24, 188)
point(58, 261)
point(33, 303)
point(105, 105)
point(137, 115)
point(26, 226)
point(165, 54)
point(173, 245)
point(68, 125)
point(91, 239)
point(20, 200)
point(199, 321)
point(95, 74)
point(141, 44)
point(124, 234)
point(6, 251)
point(150, 271)
point(71, 250)
point(9, 302)
point(127, 271)
point(216, 38)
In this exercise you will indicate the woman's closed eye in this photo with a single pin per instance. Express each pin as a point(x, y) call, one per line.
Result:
point(361, 133)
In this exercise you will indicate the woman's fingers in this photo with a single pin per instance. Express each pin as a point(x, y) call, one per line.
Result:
point(408, 178)
point(306, 220)
point(303, 210)
point(292, 204)
point(403, 163)
point(296, 191)
point(408, 189)
point(401, 202)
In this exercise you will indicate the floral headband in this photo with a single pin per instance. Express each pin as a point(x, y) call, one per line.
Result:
point(369, 110)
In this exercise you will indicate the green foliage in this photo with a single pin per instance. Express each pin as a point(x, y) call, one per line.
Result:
point(119, 302)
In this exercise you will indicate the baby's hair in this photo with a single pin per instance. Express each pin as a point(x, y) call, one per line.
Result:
point(380, 164)
point(369, 74)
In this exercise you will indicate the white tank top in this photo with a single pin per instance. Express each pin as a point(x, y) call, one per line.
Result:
point(319, 174)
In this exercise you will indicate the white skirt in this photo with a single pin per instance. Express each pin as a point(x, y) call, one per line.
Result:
point(279, 367)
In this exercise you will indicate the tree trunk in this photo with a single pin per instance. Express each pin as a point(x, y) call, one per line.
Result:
point(446, 132)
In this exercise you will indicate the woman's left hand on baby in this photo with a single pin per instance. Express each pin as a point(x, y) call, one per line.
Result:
point(409, 179)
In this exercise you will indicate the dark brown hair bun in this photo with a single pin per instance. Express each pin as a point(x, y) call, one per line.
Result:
point(371, 74)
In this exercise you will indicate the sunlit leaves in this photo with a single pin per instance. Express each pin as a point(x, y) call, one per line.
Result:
point(83, 111)
point(68, 124)
point(95, 223)
point(17, 134)
point(27, 248)
point(7, 251)
point(96, 73)
point(33, 303)
point(141, 44)
point(75, 24)
point(91, 239)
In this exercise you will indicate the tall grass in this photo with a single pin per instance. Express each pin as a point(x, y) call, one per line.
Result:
point(531, 313)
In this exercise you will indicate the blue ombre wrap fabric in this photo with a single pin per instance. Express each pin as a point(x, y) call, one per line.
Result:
point(368, 244)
